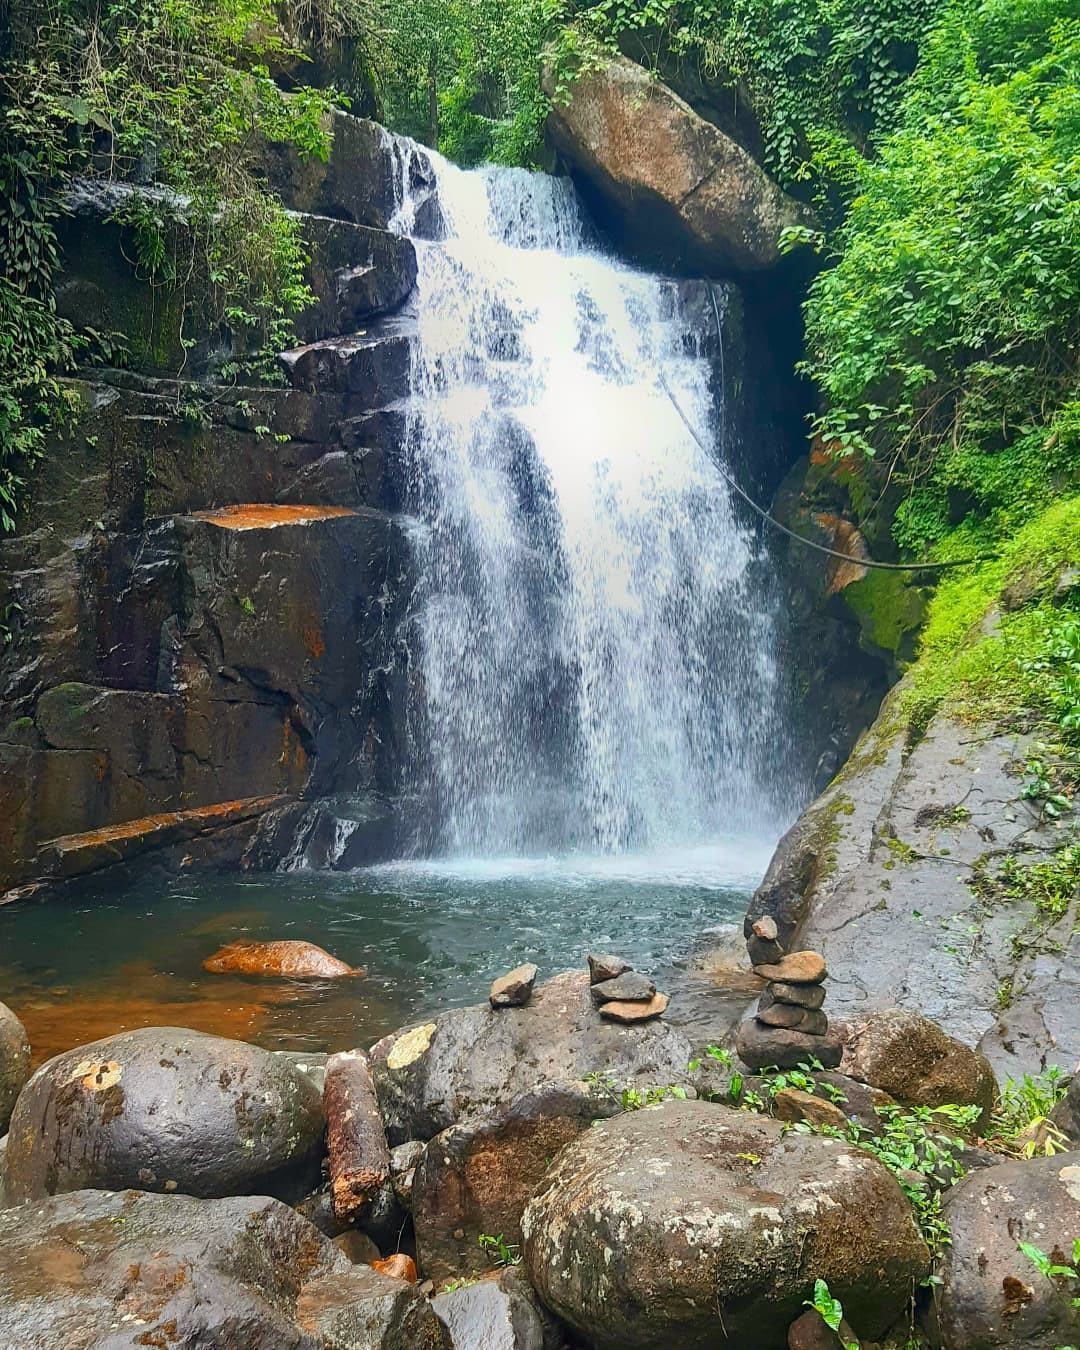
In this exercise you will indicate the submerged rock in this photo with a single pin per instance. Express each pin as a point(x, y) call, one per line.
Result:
point(14, 1062)
point(473, 1060)
point(94, 1269)
point(993, 1297)
point(693, 1225)
point(297, 960)
point(164, 1109)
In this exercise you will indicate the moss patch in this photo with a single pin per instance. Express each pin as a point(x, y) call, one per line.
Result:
point(888, 608)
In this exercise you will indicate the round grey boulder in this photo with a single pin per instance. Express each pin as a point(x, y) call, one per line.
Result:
point(14, 1062)
point(164, 1109)
point(993, 1296)
point(694, 1225)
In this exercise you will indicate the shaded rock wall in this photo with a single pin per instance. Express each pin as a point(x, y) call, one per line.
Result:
point(205, 593)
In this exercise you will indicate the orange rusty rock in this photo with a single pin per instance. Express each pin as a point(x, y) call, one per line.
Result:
point(291, 958)
point(400, 1266)
point(314, 642)
point(845, 538)
point(267, 516)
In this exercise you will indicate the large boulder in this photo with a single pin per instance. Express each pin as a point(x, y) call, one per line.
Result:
point(14, 1062)
point(911, 1058)
point(695, 1225)
point(668, 175)
point(893, 875)
point(96, 1270)
point(993, 1296)
point(164, 1109)
point(472, 1060)
point(477, 1177)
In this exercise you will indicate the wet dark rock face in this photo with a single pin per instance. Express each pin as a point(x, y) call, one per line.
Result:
point(93, 1269)
point(207, 590)
point(165, 1109)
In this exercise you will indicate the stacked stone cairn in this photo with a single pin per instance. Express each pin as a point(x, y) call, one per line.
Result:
point(621, 993)
point(790, 1026)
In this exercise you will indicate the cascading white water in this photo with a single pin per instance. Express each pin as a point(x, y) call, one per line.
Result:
point(597, 663)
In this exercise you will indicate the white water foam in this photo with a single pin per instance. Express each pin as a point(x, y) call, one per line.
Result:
point(597, 660)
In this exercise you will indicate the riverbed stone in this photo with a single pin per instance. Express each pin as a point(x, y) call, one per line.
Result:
point(94, 1269)
point(799, 995)
point(762, 1047)
point(992, 1296)
point(514, 989)
point(637, 1010)
point(795, 968)
point(14, 1062)
point(694, 1225)
point(165, 1109)
point(292, 959)
point(630, 986)
point(473, 1060)
point(915, 1061)
point(603, 968)
point(794, 1105)
point(477, 1177)
point(493, 1314)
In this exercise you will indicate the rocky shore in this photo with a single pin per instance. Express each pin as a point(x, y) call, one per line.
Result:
point(533, 1173)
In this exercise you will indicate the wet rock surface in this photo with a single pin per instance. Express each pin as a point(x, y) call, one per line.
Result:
point(291, 958)
point(164, 1109)
point(993, 1296)
point(886, 872)
point(495, 1314)
point(14, 1062)
point(471, 1060)
point(93, 1269)
point(476, 1178)
point(688, 1222)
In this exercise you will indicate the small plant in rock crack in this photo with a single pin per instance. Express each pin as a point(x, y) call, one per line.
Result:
point(629, 1098)
point(1059, 1270)
point(1022, 1123)
point(499, 1251)
point(830, 1310)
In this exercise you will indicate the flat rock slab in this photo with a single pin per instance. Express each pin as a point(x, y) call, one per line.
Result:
point(93, 1270)
point(514, 989)
point(473, 1060)
point(694, 1225)
point(164, 1109)
point(795, 968)
point(637, 1011)
point(629, 986)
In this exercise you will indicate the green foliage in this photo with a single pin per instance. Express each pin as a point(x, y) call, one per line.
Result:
point(829, 1309)
point(499, 1251)
point(464, 75)
point(944, 339)
point(167, 91)
point(1027, 1103)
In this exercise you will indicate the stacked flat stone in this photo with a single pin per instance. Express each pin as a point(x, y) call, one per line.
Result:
point(622, 993)
point(789, 1026)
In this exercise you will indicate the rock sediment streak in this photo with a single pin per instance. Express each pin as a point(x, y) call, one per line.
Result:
point(687, 1223)
point(164, 1109)
point(667, 173)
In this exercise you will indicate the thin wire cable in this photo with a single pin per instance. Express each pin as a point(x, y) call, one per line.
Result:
point(776, 525)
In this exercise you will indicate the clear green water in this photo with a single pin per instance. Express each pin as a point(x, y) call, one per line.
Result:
point(431, 935)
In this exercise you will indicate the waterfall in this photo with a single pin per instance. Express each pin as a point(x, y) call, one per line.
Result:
point(594, 641)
